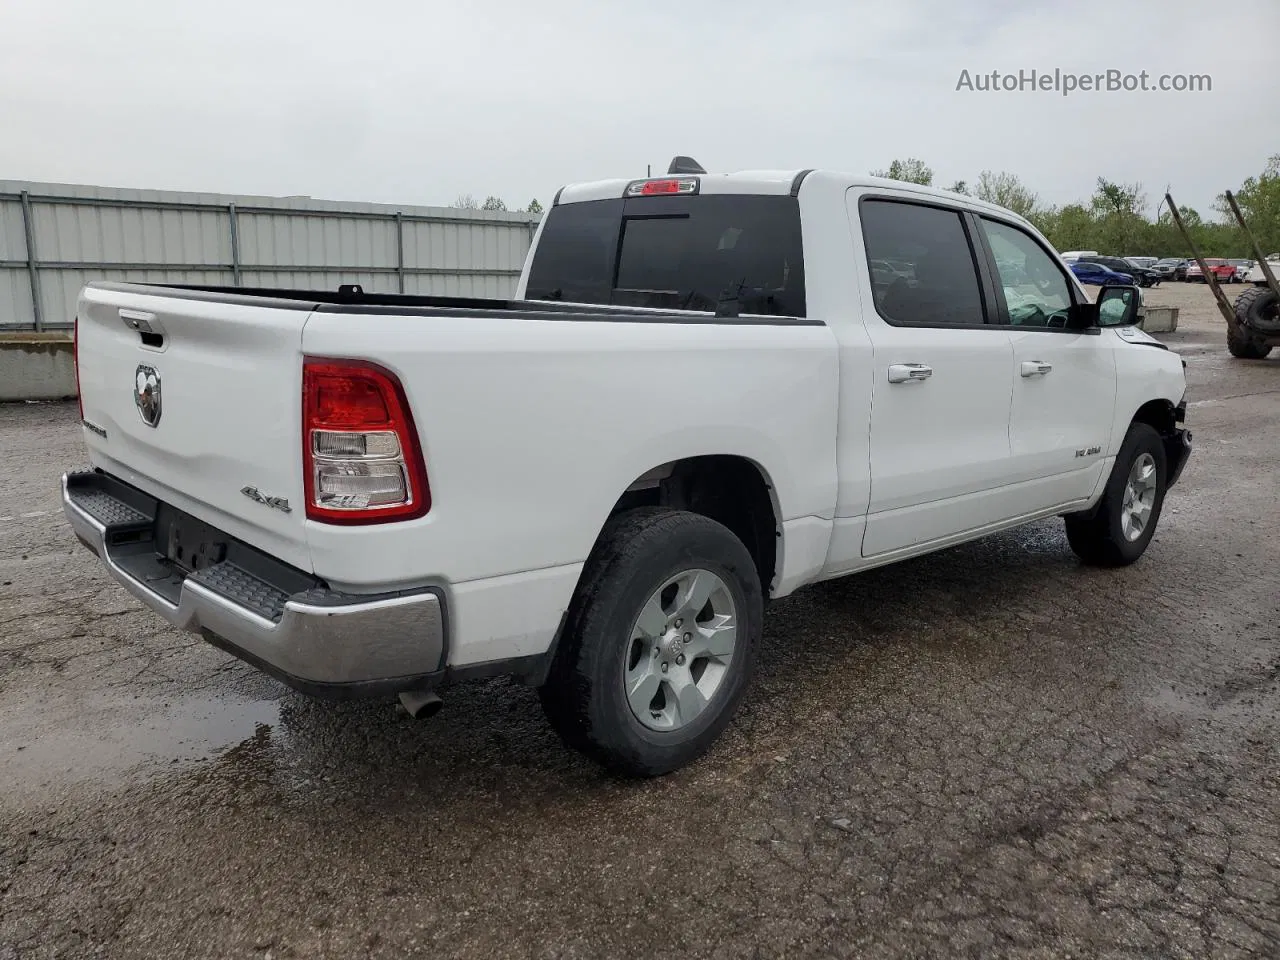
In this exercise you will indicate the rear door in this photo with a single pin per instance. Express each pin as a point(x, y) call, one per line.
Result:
point(939, 442)
point(1063, 381)
point(196, 397)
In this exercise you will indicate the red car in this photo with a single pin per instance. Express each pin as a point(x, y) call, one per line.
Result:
point(1222, 271)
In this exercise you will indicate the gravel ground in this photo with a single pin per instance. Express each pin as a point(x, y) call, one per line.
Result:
point(988, 752)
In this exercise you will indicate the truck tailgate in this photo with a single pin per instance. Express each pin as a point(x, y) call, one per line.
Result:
point(226, 416)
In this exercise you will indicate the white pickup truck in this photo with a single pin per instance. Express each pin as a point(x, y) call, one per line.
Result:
point(702, 398)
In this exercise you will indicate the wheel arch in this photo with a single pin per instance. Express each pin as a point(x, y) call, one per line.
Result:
point(1161, 414)
point(731, 489)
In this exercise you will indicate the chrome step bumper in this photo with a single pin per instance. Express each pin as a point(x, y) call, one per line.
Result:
point(273, 616)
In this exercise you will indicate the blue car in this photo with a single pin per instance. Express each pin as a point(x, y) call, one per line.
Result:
point(1098, 275)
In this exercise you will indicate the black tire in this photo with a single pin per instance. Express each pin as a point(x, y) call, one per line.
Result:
point(1097, 537)
point(1258, 308)
point(584, 696)
point(1246, 348)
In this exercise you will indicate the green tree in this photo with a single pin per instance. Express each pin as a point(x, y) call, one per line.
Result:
point(1006, 190)
point(493, 203)
point(1072, 227)
point(1121, 227)
point(959, 186)
point(534, 206)
point(909, 170)
point(1259, 201)
point(1121, 198)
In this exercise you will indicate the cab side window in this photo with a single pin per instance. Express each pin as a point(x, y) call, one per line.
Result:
point(922, 266)
point(1035, 287)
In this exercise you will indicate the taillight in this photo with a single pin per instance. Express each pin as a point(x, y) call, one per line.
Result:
point(360, 450)
point(75, 362)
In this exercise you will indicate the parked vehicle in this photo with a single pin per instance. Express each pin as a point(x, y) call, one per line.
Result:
point(1242, 269)
point(1222, 271)
point(1091, 272)
point(1145, 262)
point(885, 271)
point(1142, 276)
point(701, 399)
point(1072, 255)
point(1171, 268)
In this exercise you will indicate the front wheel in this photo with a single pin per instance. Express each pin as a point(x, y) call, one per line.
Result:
point(1118, 531)
point(659, 643)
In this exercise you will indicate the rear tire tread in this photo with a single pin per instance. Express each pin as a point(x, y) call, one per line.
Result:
point(575, 697)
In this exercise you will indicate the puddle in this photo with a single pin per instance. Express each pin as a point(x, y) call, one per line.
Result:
point(100, 738)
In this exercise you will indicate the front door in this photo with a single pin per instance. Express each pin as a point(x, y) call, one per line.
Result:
point(1063, 381)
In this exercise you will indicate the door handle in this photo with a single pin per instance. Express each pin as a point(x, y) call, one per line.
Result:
point(1035, 368)
point(905, 372)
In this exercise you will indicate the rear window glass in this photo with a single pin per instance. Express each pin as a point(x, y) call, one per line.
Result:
point(674, 253)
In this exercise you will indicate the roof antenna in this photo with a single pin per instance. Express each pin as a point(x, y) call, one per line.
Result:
point(685, 165)
point(648, 169)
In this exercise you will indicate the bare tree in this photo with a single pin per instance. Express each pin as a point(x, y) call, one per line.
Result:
point(1006, 190)
point(466, 201)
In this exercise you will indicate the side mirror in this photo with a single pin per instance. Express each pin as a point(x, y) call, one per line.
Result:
point(1118, 306)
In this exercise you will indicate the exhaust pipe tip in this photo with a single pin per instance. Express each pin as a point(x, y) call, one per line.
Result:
point(421, 704)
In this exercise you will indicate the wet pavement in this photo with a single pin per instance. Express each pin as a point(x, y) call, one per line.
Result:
point(988, 752)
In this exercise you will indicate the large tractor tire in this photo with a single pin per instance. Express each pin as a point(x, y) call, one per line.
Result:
point(1257, 312)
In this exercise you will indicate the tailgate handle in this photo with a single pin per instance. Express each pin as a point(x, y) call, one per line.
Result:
point(146, 325)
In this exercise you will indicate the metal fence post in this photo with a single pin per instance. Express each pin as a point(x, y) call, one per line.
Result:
point(400, 250)
point(235, 244)
point(33, 274)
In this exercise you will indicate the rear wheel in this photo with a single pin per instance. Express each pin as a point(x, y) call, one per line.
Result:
point(659, 644)
point(1118, 531)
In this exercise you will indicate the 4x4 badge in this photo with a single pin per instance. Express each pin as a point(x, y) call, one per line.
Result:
point(276, 503)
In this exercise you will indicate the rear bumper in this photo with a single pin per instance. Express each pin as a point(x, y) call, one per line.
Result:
point(273, 616)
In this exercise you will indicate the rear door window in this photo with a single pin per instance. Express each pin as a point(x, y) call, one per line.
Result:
point(922, 264)
point(674, 253)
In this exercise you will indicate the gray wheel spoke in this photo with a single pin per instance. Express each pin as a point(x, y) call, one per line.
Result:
point(695, 590)
point(642, 685)
point(690, 701)
point(652, 621)
point(715, 638)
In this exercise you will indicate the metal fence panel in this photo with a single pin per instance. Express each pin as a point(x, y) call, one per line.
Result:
point(15, 296)
point(13, 242)
point(81, 233)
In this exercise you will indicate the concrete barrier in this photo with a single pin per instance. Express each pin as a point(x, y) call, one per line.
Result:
point(1159, 319)
point(37, 366)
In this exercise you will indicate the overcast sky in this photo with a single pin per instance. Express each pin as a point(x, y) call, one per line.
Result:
point(418, 102)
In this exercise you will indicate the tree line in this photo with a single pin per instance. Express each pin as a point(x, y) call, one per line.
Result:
point(467, 202)
point(1115, 221)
